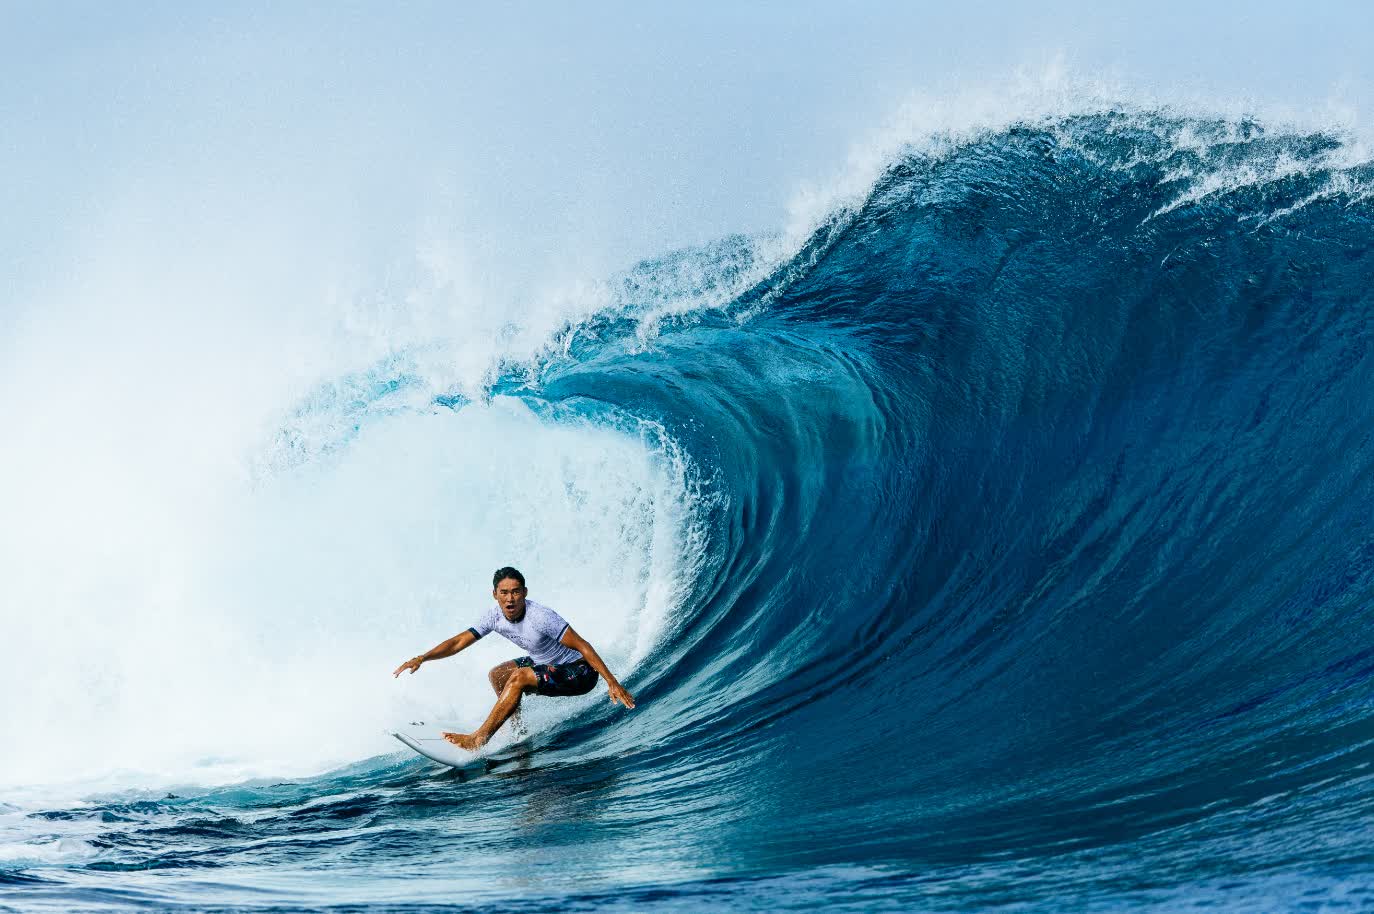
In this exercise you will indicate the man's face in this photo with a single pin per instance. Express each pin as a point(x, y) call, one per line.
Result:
point(510, 596)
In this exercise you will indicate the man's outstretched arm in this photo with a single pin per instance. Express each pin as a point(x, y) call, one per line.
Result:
point(448, 648)
point(575, 641)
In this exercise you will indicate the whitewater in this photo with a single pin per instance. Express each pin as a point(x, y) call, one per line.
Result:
point(997, 534)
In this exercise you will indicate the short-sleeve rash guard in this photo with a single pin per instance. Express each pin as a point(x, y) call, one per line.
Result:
point(537, 631)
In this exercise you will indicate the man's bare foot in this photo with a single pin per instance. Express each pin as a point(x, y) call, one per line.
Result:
point(468, 741)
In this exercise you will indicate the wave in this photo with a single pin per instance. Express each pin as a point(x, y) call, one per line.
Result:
point(1021, 512)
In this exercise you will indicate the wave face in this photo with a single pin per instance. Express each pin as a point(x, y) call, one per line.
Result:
point(1031, 560)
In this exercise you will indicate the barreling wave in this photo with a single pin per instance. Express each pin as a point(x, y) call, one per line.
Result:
point(1033, 496)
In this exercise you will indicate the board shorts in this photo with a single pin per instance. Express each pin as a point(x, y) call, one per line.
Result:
point(565, 679)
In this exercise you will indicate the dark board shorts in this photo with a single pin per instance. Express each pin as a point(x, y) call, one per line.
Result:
point(575, 678)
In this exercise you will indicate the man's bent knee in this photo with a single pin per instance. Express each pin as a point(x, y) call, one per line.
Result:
point(522, 678)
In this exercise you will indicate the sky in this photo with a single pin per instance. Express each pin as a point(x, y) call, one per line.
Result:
point(329, 146)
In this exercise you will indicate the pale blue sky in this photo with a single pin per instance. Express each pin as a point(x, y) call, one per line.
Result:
point(550, 139)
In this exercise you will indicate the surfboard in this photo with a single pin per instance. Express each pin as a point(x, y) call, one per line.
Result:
point(428, 740)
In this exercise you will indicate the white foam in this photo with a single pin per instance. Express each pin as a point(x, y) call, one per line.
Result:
point(180, 602)
point(48, 853)
point(274, 652)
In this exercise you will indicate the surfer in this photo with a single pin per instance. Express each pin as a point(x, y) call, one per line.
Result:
point(560, 661)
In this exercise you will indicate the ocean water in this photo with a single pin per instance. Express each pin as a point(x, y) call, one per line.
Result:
point(1002, 543)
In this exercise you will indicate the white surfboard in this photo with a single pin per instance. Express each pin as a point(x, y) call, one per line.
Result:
point(428, 740)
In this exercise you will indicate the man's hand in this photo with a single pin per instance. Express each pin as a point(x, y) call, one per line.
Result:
point(412, 664)
point(619, 694)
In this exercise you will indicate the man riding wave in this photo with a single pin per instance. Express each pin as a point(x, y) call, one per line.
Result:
point(560, 661)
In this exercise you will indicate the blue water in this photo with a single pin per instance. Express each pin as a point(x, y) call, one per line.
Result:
point(1038, 573)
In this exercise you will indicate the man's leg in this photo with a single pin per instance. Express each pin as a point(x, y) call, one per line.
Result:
point(520, 681)
point(497, 677)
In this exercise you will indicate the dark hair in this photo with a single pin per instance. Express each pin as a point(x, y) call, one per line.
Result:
point(507, 572)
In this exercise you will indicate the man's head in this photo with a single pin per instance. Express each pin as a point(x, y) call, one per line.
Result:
point(508, 589)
